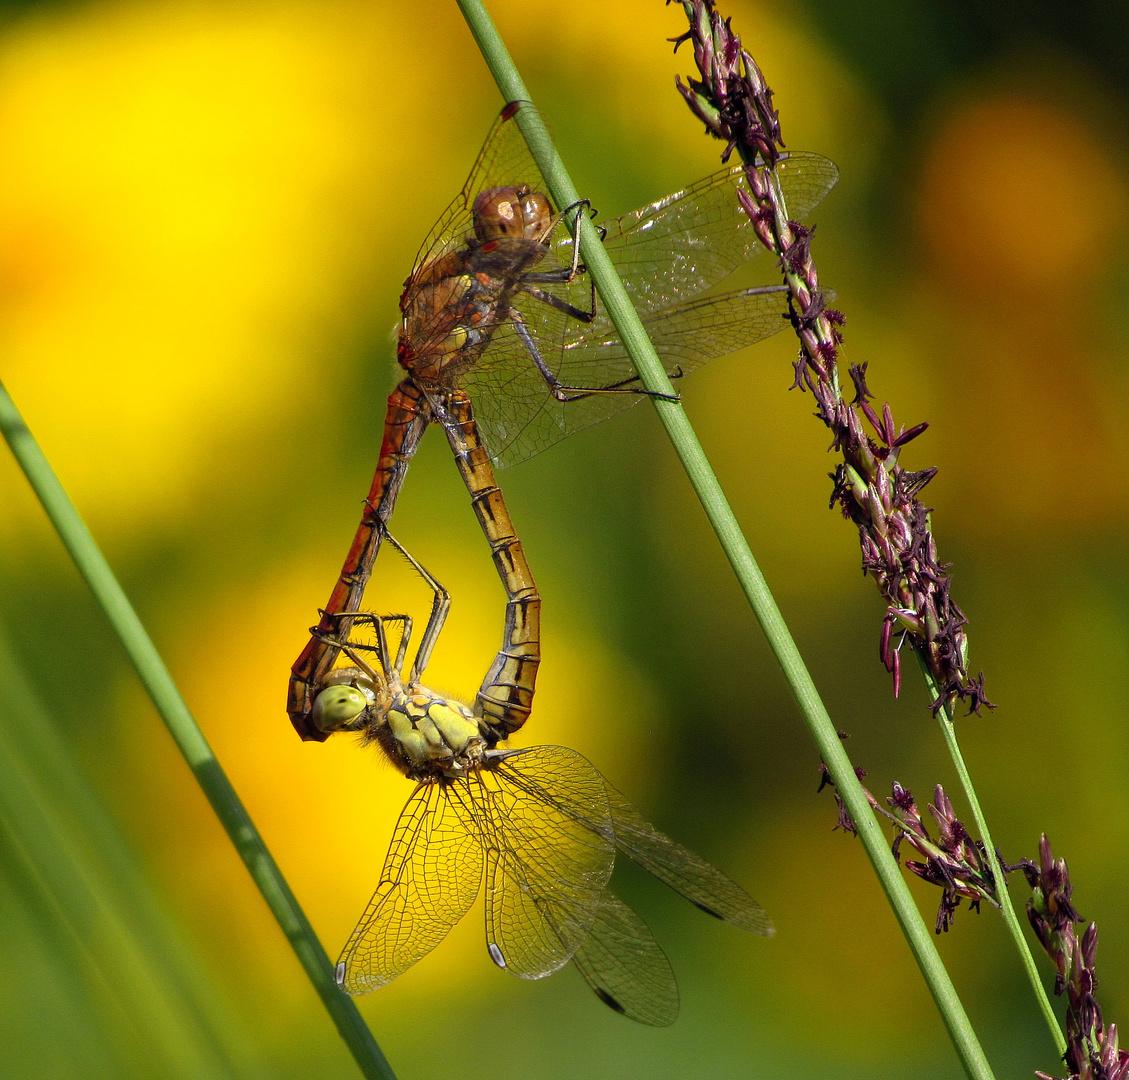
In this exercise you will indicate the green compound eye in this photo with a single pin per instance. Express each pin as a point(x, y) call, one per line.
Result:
point(338, 706)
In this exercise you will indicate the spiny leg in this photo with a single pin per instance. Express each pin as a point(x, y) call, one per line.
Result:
point(440, 606)
point(389, 672)
point(574, 229)
point(575, 393)
point(563, 306)
point(349, 695)
point(529, 282)
point(565, 274)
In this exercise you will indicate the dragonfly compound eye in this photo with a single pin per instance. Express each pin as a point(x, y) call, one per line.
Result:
point(537, 212)
point(336, 707)
point(499, 213)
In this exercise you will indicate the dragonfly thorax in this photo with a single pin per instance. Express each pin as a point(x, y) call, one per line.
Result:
point(426, 735)
point(440, 325)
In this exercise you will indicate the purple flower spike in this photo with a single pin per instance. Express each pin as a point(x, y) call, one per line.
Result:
point(1092, 1052)
point(954, 862)
point(732, 99)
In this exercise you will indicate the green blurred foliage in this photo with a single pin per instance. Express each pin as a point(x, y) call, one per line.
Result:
point(206, 214)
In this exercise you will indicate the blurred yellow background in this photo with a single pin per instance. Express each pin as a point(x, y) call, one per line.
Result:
point(206, 214)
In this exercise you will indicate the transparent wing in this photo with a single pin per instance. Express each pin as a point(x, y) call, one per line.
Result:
point(666, 253)
point(545, 870)
point(624, 965)
point(431, 876)
point(687, 242)
point(674, 865)
point(519, 417)
point(670, 249)
point(685, 872)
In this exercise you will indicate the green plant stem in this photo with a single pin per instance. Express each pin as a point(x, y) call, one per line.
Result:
point(83, 867)
point(721, 517)
point(948, 730)
point(190, 740)
point(1015, 928)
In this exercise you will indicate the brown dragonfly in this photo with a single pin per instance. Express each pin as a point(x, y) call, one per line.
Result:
point(539, 826)
point(498, 311)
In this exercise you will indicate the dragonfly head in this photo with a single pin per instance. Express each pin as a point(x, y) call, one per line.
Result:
point(511, 212)
point(428, 735)
point(346, 701)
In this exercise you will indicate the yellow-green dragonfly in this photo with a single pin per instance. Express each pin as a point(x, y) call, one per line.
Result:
point(539, 826)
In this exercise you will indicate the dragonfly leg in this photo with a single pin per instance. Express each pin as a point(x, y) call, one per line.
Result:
point(353, 650)
point(564, 275)
point(571, 310)
point(394, 669)
point(378, 623)
point(405, 637)
point(440, 606)
point(390, 671)
point(575, 393)
point(505, 698)
point(528, 283)
point(574, 229)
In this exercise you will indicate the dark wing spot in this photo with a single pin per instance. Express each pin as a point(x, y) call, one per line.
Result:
point(610, 1001)
point(708, 911)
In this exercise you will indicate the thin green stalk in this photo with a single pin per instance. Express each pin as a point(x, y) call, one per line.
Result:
point(721, 517)
point(190, 740)
point(1015, 928)
point(71, 848)
point(948, 730)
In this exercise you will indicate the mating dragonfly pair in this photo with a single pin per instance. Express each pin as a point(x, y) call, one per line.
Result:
point(501, 334)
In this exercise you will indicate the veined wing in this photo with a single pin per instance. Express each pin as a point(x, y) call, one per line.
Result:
point(625, 966)
point(431, 876)
point(687, 873)
point(545, 870)
point(667, 251)
point(687, 242)
point(519, 417)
